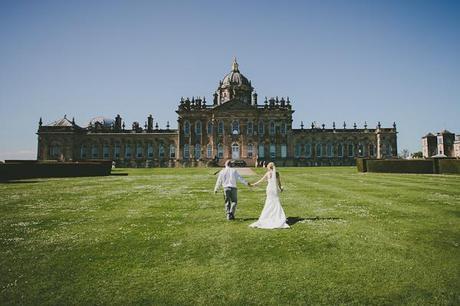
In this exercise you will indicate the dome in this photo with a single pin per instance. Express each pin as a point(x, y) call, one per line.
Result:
point(105, 122)
point(235, 78)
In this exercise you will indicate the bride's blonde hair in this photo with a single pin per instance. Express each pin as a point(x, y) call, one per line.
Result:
point(271, 165)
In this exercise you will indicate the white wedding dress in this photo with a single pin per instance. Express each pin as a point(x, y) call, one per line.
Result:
point(272, 215)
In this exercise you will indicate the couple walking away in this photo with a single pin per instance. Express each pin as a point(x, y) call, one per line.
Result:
point(272, 215)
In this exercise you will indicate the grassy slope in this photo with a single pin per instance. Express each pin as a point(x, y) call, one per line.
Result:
point(160, 237)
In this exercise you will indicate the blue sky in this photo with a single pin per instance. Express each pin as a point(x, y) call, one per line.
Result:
point(350, 61)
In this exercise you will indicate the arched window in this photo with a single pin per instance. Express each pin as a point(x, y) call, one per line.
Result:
point(235, 127)
point(186, 151)
point(186, 128)
point(318, 150)
point(261, 152)
point(139, 150)
point(209, 127)
point(272, 151)
point(105, 151)
point(209, 151)
point(261, 127)
point(351, 150)
point(340, 150)
point(329, 150)
point(250, 128)
point(94, 151)
point(220, 151)
point(250, 150)
point(220, 128)
point(197, 151)
point(283, 151)
point(128, 150)
point(297, 150)
point(161, 151)
point(371, 149)
point(198, 127)
point(172, 151)
point(116, 151)
point(360, 150)
point(83, 152)
point(272, 128)
point(283, 128)
point(150, 150)
point(55, 151)
point(308, 150)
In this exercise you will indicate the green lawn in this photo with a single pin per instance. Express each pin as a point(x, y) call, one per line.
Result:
point(159, 236)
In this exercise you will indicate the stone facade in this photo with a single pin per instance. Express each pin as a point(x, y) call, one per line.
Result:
point(442, 144)
point(233, 126)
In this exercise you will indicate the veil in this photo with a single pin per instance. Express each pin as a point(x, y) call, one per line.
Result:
point(272, 187)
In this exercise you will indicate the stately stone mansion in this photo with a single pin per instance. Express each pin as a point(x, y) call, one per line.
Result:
point(234, 125)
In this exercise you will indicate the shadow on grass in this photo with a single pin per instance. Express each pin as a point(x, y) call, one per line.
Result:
point(118, 174)
point(294, 220)
point(18, 182)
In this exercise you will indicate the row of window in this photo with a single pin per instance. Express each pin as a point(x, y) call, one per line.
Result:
point(305, 150)
point(235, 128)
point(327, 150)
point(138, 151)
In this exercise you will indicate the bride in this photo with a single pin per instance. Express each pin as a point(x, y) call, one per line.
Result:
point(272, 215)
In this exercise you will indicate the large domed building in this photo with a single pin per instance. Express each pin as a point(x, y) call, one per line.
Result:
point(233, 126)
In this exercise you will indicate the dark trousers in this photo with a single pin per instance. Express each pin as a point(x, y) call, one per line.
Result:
point(231, 200)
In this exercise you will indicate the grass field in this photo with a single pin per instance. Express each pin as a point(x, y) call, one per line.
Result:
point(159, 236)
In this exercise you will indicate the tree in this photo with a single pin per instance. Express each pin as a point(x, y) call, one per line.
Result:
point(404, 154)
point(418, 154)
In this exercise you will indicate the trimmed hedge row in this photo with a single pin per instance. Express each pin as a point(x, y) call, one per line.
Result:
point(13, 170)
point(429, 166)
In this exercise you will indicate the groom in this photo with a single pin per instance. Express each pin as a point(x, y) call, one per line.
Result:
point(227, 178)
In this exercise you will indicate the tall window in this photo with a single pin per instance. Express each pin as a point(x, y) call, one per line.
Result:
point(220, 151)
point(261, 127)
point(235, 127)
point(340, 150)
point(361, 150)
point(55, 151)
point(283, 128)
point(150, 150)
point(308, 150)
point(389, 149)
point(371, 149)
point(198, 127)
point(272, 128)
point(261, 151)
point(116, 153)
point(94, 151)
point(172, 151)
point(209, 127)
point(272, 151)
point(283, 151)
point(350, 150)
point(105, 151)
point(161, 151)
point(297, 150)
point(83, 152)
point(318, 150)
point(197, 151)
point(250, 129)
point(329, 150)
point(209, 151)
point(186, 151)
point(186, 128)
point(250, 150)
point(220, 128)
point(128, 150)
point(139, 150)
